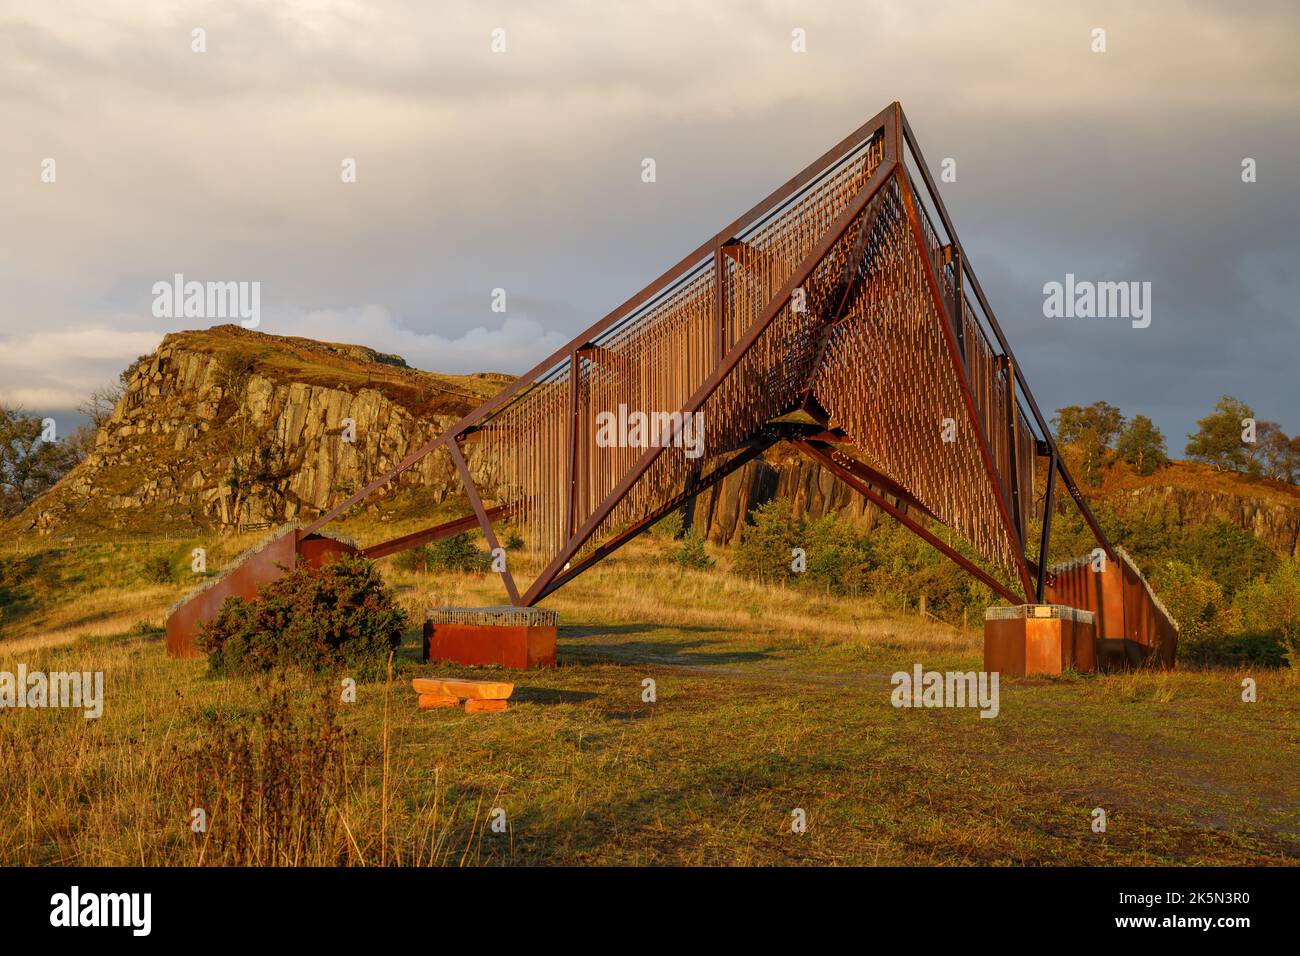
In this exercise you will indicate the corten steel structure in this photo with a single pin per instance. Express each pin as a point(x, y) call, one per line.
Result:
point(840, 314)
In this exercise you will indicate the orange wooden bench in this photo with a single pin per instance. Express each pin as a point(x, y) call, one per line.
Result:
point(480, 696)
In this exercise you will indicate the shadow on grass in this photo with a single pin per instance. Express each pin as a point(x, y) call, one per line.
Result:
point(660, 652)
point(609, 630)
point(549, 695)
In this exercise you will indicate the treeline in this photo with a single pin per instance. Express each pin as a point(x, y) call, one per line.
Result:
point(1235, 600)
point(1230, 438)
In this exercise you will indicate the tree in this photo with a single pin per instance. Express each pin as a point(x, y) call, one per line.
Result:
point(1142, 445)
point(1091, 430)
point(29, 465)
point(1218, 439)
point(1276, 455)
point(1272, 606)
point(82, 441)
point(99, 404)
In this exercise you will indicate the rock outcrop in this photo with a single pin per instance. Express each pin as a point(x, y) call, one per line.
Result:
point(228, 427)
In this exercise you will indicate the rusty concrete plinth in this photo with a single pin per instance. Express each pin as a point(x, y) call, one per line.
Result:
point(518, 637)
point(1038, 639)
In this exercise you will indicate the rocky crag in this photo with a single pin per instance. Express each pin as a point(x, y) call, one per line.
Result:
point(228, 427)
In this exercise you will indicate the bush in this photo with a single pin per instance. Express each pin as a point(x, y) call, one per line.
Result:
point(457, 553)
point(157, 569)
point(766, 544)
point(1234, 650)
point(1271, 606)
point(669, 526)
point(340, 615)
point(691, 555)
point(1231, 556)
point(839, 556)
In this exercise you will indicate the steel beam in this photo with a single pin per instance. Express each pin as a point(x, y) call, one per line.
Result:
point(435, 533)
point(471, 491)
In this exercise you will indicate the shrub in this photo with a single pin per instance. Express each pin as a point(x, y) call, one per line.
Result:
point(1194, 599)
point(691, 554)
point(157, 569)
point(457, 553)
point(340, 615)
point(669, 526)
point(840, 557)
point(1231, 556)
point(765, 547)
point(1233, 650)
point(1271, 606)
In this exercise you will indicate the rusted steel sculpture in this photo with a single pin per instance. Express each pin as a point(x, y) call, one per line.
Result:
point(841, 314)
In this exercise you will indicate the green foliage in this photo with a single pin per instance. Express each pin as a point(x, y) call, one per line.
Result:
point(340, 615)
point(669, 526)
point(1262, 626)
point(767, 542)
point(1090, 430)
point(690, 555)
point(157, 569)
point(888, 562)
point(1218, 441)
point(1271, 606)
point(1142, 446)
point(457, 553)
point(1229, 555)
point(839, 556)
point(29, 466)
point(1195, 600)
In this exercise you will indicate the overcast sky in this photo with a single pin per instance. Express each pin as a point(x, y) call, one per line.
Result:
point(522, 170)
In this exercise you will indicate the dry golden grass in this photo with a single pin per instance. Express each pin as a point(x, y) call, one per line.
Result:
point(768, 699)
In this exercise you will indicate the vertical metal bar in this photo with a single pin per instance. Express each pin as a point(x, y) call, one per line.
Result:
point(575, 370)
point(775, 305)
point(1049, 503)
point(959, 296)
point(719, 306)
point(1013, 472)
point(1070, 485)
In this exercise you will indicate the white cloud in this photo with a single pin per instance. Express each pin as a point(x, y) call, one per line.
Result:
point(55, 370)
point(517, 344)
